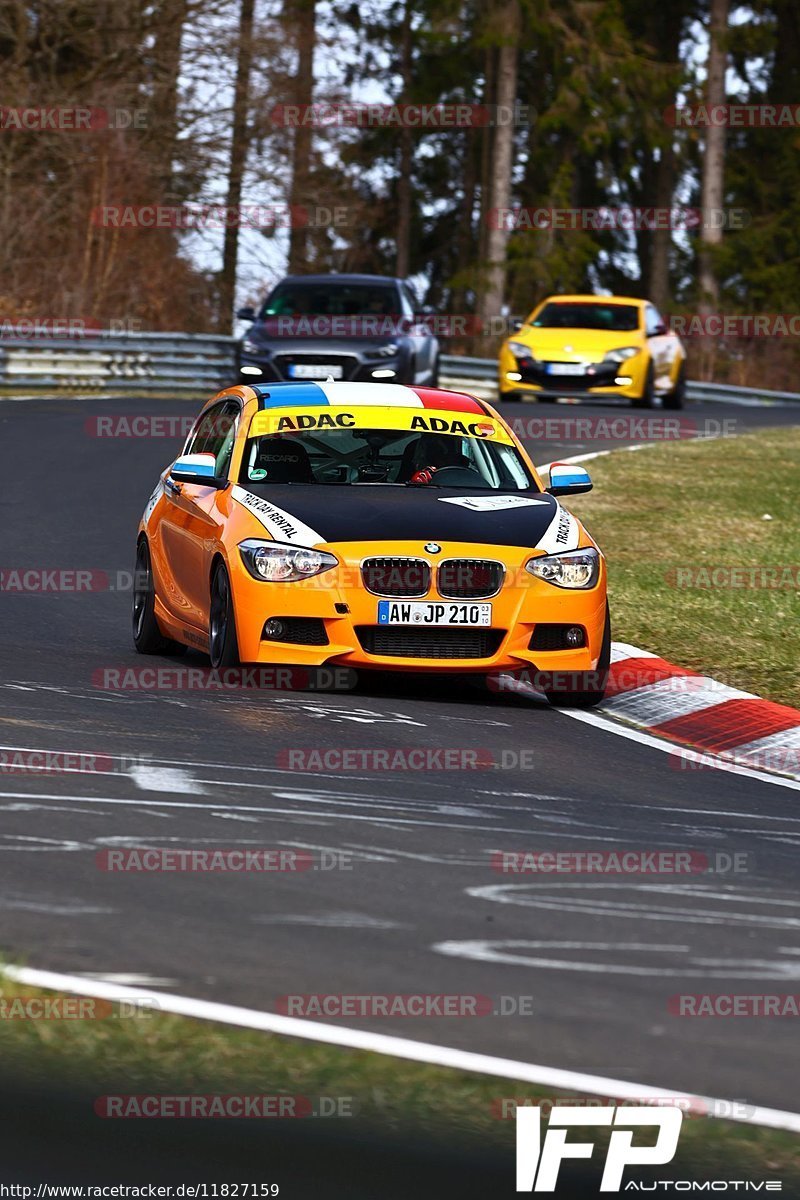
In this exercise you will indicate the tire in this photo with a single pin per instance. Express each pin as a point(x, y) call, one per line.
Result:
point(434, 383)
point(510, 397)
point(592, 686)
point(223, 648)
point(647, 398)
point(677, 397)
point(147, 636)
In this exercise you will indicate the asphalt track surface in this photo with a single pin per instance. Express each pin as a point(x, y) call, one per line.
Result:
point(592, 962)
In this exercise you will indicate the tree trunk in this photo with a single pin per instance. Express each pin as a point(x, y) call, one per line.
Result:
point(713, 179)
point(406, 156)
point(507, 18)
point(239, 144)
point(658, 275)
point(169, 23)
point(303, 14)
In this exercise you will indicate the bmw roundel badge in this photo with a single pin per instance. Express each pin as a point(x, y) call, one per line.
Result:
point(431, 548)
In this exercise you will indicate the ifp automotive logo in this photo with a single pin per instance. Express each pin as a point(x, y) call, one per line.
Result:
point(538, 1161)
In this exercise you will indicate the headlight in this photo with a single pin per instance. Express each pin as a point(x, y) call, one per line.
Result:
point(520, 350)
point(275, 563)
point(618, 356)
point(575, 569)
point(388, 351)
point(249, 347)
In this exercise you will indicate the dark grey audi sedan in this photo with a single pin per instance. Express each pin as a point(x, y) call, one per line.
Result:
point(368, 328)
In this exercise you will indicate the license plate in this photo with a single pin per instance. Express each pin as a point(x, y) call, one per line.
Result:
point(315, 370)
point(443, 612)
point(565, 368)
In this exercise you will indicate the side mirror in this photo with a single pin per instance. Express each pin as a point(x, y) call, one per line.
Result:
point(568, 480)
point(197, 468)
point(658, 330)
point(516, 324)
point(248, 313)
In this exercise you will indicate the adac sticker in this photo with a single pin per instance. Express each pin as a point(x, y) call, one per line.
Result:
point(492, 503)
point(412, 420)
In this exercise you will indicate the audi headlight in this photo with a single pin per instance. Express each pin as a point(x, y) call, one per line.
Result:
point(249, 347)
point(274, 563)
point(520, 350)
point(573, 569)
point(618, 356)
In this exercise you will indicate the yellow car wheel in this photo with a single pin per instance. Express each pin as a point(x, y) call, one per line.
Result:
point(647, 398)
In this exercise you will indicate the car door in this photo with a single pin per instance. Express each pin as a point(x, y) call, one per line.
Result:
point(662, 346)
point(191, 525)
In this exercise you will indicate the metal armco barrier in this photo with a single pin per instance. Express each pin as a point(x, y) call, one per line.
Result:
point(195, 365)
point(190, 364)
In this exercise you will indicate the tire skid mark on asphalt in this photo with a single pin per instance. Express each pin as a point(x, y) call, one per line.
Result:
point(332, 804)
point(565, 897)
point(53, 907)
point(24, 843)
point(330, 920)
point(512, 952)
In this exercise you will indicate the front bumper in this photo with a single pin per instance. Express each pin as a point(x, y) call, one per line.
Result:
point(625, 379)
point(339, 600)
point(356, 366)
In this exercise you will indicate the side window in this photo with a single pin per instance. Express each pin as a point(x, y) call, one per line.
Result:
point(652, 320)
point(215, 434)
point(410, 305)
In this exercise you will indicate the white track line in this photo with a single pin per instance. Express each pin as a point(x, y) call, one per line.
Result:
point(396, 1047)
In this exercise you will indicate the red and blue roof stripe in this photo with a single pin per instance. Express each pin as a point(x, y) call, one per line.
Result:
point(310, 395)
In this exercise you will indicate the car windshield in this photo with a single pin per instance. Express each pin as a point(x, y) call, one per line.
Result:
point(385, 456)
point(613, 318)
point(332, 300)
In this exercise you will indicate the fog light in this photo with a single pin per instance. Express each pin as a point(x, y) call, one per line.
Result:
point(384, 373)
point(250, 371)
point(514, 376)
point(273, 628)
point(623, 380)
point(574, 636)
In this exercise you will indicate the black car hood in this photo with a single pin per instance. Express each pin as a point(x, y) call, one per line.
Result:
point(375, 513)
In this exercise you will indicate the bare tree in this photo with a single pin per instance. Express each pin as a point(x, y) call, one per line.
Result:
point(239, 142)
point(301, 15)
point(406, 155)
point(713, 178)
point(505, 17)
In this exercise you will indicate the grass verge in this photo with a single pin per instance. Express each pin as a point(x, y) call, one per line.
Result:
point(168, 1055)
point(698, 535)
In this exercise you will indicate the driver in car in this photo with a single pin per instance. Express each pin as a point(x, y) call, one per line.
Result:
point(437, 451)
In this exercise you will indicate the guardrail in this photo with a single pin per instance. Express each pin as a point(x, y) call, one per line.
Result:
point(198, 364)
point(191, 364)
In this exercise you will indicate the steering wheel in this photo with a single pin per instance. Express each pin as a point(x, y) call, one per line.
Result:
point(458, 477)
point(337, 473)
